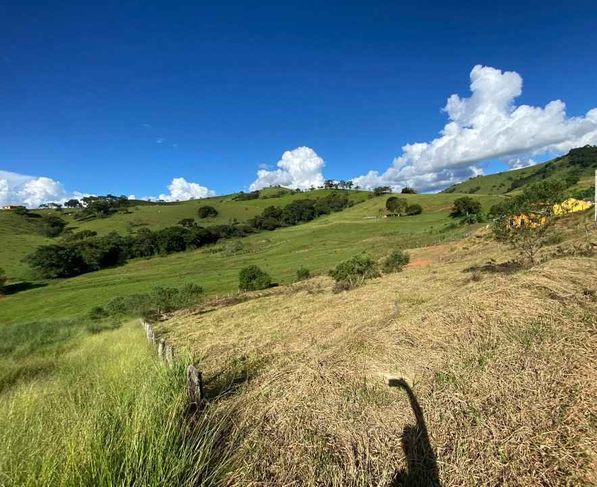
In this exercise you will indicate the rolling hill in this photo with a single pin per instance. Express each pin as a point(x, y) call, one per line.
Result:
point(578, 166)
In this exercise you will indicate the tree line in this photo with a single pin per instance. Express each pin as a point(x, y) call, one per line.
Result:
point(85, 251)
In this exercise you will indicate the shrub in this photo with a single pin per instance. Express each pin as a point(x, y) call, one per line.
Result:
point(150, 305)
point(395, 262)
point(252, 278)
point(414, 209)
point(207, 212)
point(186, 222)
point(465, 206)
point(302, 274)
point(355, 270)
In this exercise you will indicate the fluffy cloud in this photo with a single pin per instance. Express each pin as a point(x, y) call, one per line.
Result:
point(183, 190)
point(298, 168)
point(486, 126)
point(19, 189)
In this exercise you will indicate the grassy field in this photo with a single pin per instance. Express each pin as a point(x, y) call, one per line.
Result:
point(95, 407)
point(318, 245)
point(499, 372)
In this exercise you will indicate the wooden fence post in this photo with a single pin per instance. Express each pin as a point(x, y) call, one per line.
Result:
point(194, 385)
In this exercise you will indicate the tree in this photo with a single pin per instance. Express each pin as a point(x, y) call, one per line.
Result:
point(207, 211)
point(465, 206)
point(73, 203)
point(396, 206)
point(408, 190)
point(414, 209)
point(349, 184)
point(525, 221)
point(252, 278)
point(381, 190)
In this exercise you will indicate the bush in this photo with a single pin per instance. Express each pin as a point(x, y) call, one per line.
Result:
point(150, 305)
point(414, 209)
point(207, 212)
point(355, 270)
point(395, 262)
point(252, 278)
point(465, 206)
point(302, 274)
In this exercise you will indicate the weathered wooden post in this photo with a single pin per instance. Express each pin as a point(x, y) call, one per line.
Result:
point(194, 385)
point(169, 355)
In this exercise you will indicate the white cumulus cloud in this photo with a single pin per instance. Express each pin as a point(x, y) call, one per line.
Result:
point(30, 191)
point(183, 190)
point(298, 168)
point(486, 126)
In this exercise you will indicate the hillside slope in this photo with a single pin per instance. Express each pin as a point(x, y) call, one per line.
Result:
point(20, 236)
point(579, 163)
point(318, 245)
point(500, 375)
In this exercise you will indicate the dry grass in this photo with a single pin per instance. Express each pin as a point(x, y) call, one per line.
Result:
point(503, 367)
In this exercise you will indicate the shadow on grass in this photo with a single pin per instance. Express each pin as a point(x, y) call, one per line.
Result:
point(231, 378)
point(495, 268)
point(421, 469)
point(17, 287)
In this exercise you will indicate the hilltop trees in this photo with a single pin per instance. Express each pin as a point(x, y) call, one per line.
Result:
point(73, 203)
point(408, 190)
point(381, 190)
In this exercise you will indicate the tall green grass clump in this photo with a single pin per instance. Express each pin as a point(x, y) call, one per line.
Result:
point(107, 413)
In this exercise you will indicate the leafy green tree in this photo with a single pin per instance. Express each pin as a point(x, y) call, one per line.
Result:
point(414, 209)
point(465, 206)
point(408, 190)
point(207, 212)
point(396, 206)
point(73, 203)
point(381, 190)
point(252, 278)
point(525, 222)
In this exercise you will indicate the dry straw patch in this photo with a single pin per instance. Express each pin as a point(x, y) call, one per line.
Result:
point(504, 369)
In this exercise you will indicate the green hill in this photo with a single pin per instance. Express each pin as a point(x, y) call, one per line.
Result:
point(20, 235)
point(578, 167)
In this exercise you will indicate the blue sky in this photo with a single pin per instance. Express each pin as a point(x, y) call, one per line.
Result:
point(122, 97)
